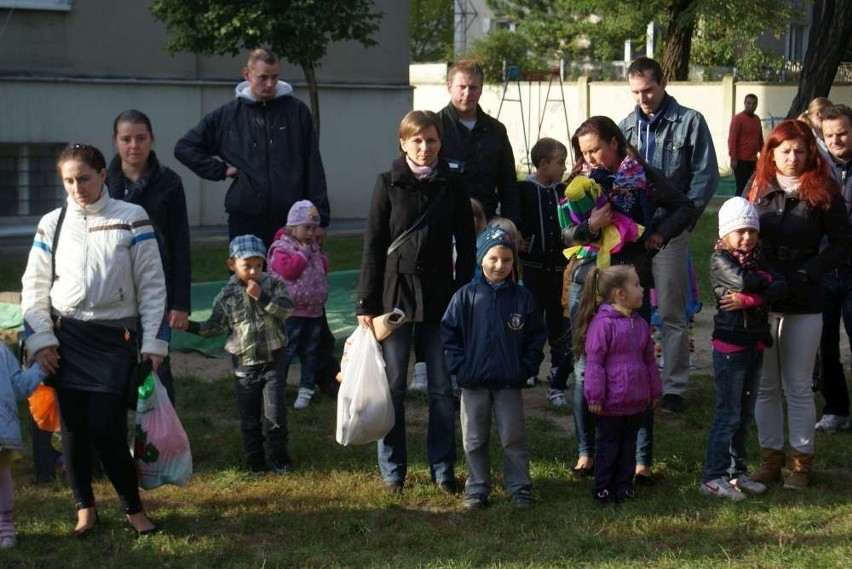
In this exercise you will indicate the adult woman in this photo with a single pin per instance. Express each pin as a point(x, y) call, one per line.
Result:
point(634, 190)
point(135, 175)
point(799, 207)
point(83, 308)
point(417, 209)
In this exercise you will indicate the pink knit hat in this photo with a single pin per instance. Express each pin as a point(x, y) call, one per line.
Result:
point(303, 213)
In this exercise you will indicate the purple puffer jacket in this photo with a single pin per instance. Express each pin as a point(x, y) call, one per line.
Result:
point(621, 371)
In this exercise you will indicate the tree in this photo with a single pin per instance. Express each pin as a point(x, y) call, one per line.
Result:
point(682, 16)
point(298, 31)
point(831, 26)
point(430, 26)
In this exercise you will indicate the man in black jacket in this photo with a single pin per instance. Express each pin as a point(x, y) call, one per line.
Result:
point(264, 141)
point(476, 145)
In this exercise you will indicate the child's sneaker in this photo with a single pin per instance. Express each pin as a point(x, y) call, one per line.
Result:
point(522, 499)
point(745, 484)
point(721, 488)
point(602, 497)
point(304, 398)
point(8, 541)
point(475, 502)
point(556, 397)
point(831, 423)
point(419, 383)
point(281, 465)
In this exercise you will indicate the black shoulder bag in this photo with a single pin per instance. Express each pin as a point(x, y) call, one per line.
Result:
point(418, 223)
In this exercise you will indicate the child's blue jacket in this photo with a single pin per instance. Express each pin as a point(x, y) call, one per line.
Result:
point(493, 338)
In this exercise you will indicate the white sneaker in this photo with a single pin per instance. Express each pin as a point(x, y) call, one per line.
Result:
point(721, 488)
point(556, 397)
point(831, 423)
point(304, 398)
point(419, 383)
point(745, 484)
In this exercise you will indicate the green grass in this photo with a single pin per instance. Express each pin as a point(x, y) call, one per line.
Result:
point(332, 511)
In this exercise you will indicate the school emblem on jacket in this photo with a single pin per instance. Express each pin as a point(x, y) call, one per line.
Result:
point(515, 322)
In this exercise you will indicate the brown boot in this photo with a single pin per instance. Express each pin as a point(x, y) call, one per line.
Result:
point(771, 462)
point(801, 471)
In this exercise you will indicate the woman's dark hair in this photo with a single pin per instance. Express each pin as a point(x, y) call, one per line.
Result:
point(815, 183)
point(600, 285)
point(82, 152)
point(132, 116)
point(606, 130)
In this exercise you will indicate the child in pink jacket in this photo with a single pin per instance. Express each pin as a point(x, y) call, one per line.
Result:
point(297, 259)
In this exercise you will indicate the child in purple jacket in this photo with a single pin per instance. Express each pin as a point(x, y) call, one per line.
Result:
point(622, 379)
point(297, 259)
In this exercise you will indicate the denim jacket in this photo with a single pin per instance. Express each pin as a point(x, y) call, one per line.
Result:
point(684, 153)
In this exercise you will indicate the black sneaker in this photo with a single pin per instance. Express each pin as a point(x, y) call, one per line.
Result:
point(602, 497)
point(475, 502)
point(625, 495)
point(283, 466)
point(257, 468)
point(673, 403)
point(393, 487)
point(522, 500)
point(449, 486)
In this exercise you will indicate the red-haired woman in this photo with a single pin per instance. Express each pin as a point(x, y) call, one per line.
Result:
point(803, 233)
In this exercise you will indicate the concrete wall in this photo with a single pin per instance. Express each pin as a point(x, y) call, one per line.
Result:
point(718, 102)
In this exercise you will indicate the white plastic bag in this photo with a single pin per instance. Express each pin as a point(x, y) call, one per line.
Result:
point(364, 404)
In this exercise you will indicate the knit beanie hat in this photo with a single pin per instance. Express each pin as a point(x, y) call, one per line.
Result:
point(303, 212)
point(491, 237)
point(737, 213)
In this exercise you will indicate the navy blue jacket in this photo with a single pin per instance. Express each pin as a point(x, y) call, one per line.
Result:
point(493, 338)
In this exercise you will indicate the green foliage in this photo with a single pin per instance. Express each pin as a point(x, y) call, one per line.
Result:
point(501, 47)
point(430, 26)
point(297, 30)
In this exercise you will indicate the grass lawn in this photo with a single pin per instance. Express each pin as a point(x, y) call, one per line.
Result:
point(333, 512)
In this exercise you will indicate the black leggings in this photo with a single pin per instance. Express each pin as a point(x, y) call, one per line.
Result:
point(97, 420)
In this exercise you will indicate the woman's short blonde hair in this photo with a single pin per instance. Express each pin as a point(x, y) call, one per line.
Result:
point(417, 121)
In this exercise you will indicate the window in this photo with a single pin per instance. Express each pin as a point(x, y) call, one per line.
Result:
point(796, 42)
point(29, 184)
point(56, 5)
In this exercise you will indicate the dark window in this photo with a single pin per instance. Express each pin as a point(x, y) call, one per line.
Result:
point(29, 184)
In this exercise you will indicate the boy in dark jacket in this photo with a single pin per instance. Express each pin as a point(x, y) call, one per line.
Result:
point(493, 339)
point(541, 254)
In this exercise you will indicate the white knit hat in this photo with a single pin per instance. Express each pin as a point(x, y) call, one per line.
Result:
point(737, 213)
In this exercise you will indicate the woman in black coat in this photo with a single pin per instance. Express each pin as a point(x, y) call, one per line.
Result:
point(135, 175)
point(418, 210)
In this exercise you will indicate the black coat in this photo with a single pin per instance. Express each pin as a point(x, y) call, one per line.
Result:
point(539, 225)
point(418, 276)
point(748, 326)
point(484, 157)
point(790, 234)
point(163, 198)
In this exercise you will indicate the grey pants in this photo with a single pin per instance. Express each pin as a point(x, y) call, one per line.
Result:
point(508, 409)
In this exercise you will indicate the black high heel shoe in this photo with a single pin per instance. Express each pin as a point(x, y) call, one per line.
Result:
point(145, 532)
point(83, 533)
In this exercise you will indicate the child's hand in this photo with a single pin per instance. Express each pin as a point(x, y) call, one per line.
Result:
point(523, 246)
point(654, 241)
point(730, 302)
point(253, 289)
point(595, 409)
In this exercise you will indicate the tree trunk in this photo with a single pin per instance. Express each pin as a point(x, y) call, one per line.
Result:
point(675, 62)
point(831, 26)
point(309, 69)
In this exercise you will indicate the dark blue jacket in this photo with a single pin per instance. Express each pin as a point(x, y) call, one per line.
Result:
point(493, 338)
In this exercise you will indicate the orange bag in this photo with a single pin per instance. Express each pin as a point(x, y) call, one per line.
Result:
point(45, 409)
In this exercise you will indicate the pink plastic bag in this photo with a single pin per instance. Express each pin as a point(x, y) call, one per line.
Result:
point(161, 449)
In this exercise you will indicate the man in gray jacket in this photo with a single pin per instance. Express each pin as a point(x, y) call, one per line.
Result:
point(675, 141)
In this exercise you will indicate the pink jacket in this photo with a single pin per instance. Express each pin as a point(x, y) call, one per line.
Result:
point(621, 371)
point(302, 271)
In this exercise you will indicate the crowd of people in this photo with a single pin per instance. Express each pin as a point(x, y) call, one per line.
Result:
point(486, 269)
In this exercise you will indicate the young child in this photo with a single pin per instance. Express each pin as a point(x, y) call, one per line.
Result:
point(298, 260)
point(743, 286)
point(252, 306)
point(15, 385)
point(493, 339)
point(541, 255)
point(621, 379)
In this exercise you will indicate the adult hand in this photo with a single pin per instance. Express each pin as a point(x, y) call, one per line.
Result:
point(654, 241)
point(600, 218)
point(366, 321)
point(178, 319)
point(253, 289)
point(319, 236)
point(731, 301)
point(48, 359)
point(154, 359)
point(595, 408)
point(231, 172)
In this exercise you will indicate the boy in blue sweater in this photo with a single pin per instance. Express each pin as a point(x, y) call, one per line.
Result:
point(493, 339)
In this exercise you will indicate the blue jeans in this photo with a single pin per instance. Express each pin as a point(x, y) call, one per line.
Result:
point(303, 337)
point(837, 302)
point(259, 391)
point(737, 376)
point(584, 420)
point(441, 431)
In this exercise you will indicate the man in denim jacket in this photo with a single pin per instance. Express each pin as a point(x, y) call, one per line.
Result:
point(675, 141)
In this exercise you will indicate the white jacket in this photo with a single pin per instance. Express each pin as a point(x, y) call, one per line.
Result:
point(108, 268)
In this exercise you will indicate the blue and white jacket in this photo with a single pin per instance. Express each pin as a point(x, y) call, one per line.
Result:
point(493, 337)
